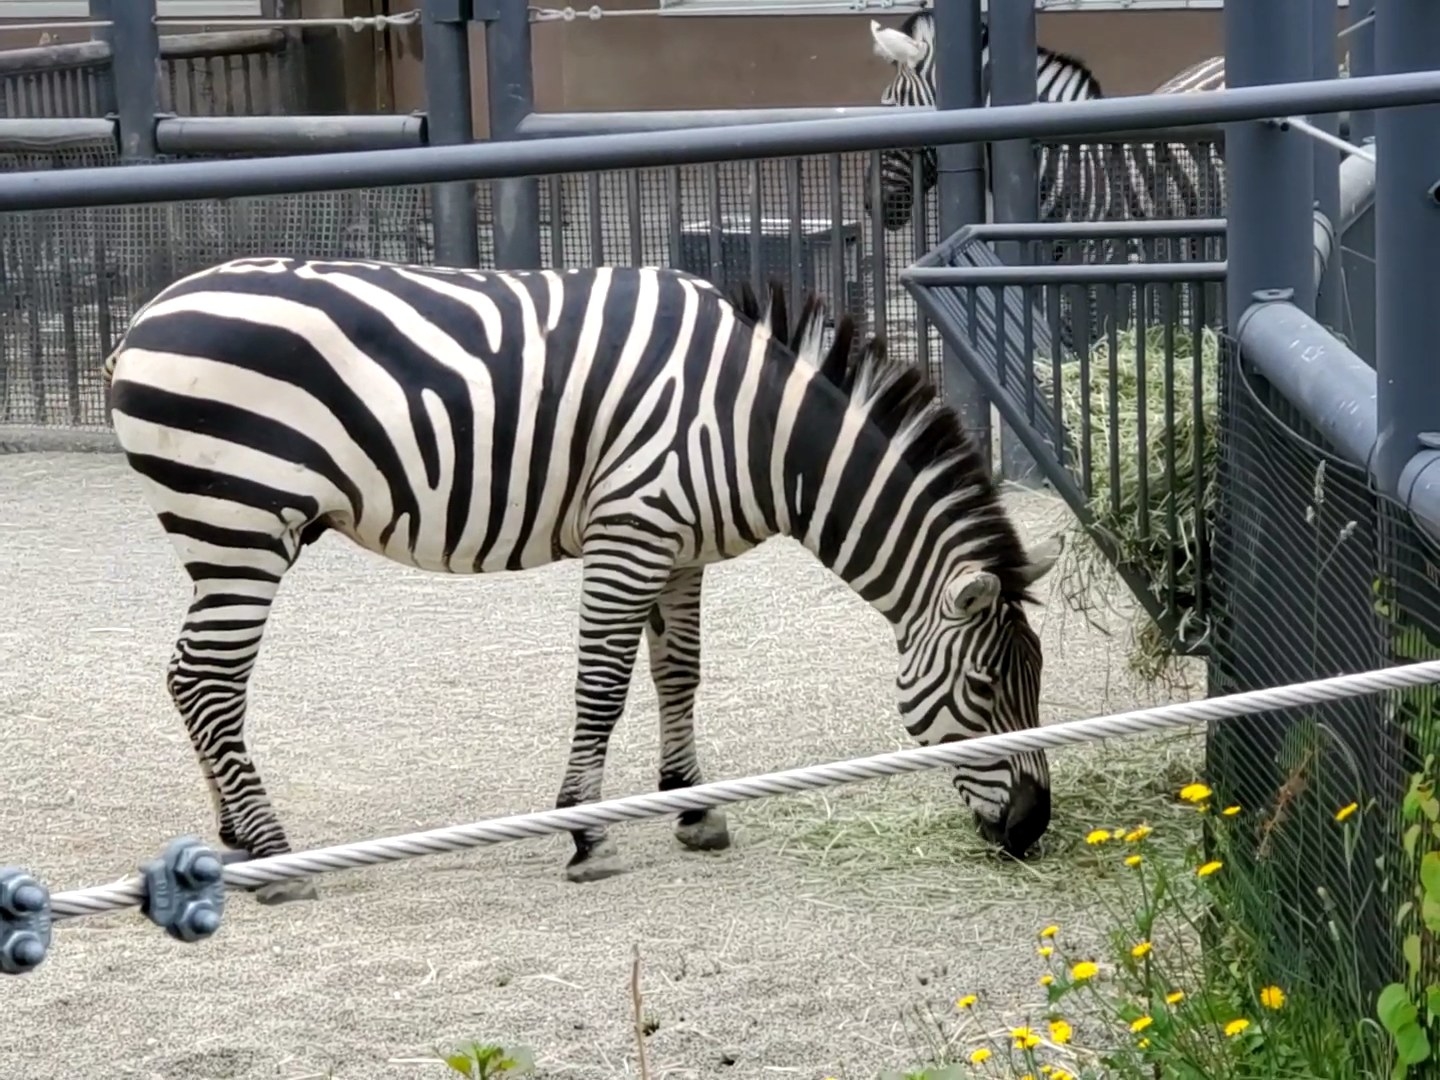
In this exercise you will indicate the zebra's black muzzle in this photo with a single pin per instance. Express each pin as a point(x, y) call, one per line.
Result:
point(1026, 820)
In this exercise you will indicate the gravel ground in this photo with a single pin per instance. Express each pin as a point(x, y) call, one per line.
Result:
point(389, 700)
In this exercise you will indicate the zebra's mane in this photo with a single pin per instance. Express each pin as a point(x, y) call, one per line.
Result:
point(907, 407)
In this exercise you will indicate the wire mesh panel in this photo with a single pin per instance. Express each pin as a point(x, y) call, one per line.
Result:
point(1314, 575)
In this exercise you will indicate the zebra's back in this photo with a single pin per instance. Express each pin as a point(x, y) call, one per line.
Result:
point(459, 421)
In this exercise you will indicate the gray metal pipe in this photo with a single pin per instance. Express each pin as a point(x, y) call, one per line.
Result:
point(1325, 159)
point(1092, 230)
point(450, 122)
point(1407, 236)
point(21, 136)
point(53, 189)
point(1270, 172)
point(134, 73)
point(515, 199)
point(1331, 387)
point(1357, 190)
point(1064, 274)
point(284, 134)
point(960, 184)
point(565, 124)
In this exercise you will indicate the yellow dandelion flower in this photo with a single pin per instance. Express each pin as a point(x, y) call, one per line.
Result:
point(1135, 835)
point(967, 1002)
point(1046, 979)
point(979, 1056)
point(1046, 1070)
point(1025, 1039)
point(1230, 811)
point(1209, 868)
point(1060, 1032)
point(1133, 860)
point(1097, 836)
point(1141, 1023)
point(1195, 793)
point(1236, 1027)
point(1345, 811)
point(1085, 969)
point(1174, 997)
point(1045, 950)
point(1142, 950)
point(1272, 997)
point(1050, 931)
point(1061, 1074)
point(1143, 1043)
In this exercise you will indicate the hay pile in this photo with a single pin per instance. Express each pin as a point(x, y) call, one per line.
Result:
point(1143, 545)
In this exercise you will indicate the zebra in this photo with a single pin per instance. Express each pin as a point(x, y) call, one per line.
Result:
point(1077, 182)
point(636, 419)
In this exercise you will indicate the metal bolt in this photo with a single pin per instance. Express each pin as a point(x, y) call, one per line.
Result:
point(28, 899)
point(198, 920)
point(23, 952)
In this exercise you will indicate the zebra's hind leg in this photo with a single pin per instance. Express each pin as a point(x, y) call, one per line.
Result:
point(673, 638)
point(621, 580)
point(237, 572)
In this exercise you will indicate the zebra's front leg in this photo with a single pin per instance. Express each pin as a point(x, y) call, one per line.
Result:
point(618, 590)
point(673, 638)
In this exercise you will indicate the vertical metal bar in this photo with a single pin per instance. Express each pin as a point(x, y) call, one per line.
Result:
point(1087, 451)
point(676, 213)
point(879, 277)
point(557, 220)
point(1361, 45)
point(1169, 296)
point(1014, 181)
point(449, 122)
point(1327, 159)
point(839, 293)
point(1112, 403)
point(795, 211)
point(1142, 406)
point(595, 208)
point(102, 79)
point(134, 71)
point(717, 261)
point(1200, 293)
point(920, 233)
point(635, 213)
point(1407, 235)
point(1270, 239)
point(511, 82)
point(757, 237)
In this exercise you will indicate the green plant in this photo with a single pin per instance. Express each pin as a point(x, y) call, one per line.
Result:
point(487, 1061)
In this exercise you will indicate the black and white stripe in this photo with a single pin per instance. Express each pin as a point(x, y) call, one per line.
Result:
point(1077, 182)
point(468, 421)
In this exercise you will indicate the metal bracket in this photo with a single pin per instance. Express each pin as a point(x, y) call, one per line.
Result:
point(185, 890)
point(25, 921)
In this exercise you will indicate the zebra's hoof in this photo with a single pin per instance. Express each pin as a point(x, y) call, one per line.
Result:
point(283, 892)
point(708, 833)
point(601, 861)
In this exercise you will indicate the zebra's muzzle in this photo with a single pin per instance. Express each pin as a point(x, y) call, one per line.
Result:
point(1026, 819)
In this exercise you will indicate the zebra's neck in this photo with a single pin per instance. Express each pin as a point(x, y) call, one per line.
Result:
point(887, 492)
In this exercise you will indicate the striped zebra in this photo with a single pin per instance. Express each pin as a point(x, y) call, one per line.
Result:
point(1077, 182)
point(465, 421)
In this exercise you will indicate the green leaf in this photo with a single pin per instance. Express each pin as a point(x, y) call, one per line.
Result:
point(1411, 838)
point(1430, 914)
point(1432, 1001)
point(1412, 1045)
point(1394, 1009)
point(1411, 949)
point(1403, 912)
point(1430, 874)
point(463, 1064)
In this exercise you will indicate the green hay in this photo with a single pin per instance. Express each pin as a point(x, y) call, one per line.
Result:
point(1170, 500)
point(903, 844)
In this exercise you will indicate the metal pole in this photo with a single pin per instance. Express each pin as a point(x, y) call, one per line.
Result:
point(134, 71)
point(1014, 180)
point(959, 49)
point(445, 36)
point(1361, 44)
point(1407, 236)
point(1327, 160)
point(1270, 172)
point(515, 202)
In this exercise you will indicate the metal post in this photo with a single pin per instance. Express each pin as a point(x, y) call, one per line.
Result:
point(516, 202)
point(1407, 236)
point(1361, 43)
point(445, 35)
point(1328, 308)
point(1014, 181)
point(1270, 240)
point(134, 71)
point(958, 55)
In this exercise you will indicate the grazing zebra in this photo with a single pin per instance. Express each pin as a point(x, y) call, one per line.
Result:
point(1077, 182)
point(466, 421)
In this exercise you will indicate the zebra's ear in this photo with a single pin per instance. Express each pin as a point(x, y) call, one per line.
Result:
point(969, 593)
point(896, 46)
point(1043, 557)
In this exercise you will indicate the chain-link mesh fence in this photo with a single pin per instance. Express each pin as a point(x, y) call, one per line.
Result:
point(1316, 575)
point(72, 278)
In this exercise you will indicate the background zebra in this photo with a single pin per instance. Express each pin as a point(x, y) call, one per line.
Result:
point(1077, 182)
point(464, 422)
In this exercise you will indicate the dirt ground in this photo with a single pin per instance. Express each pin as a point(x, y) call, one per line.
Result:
point(388, 700)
